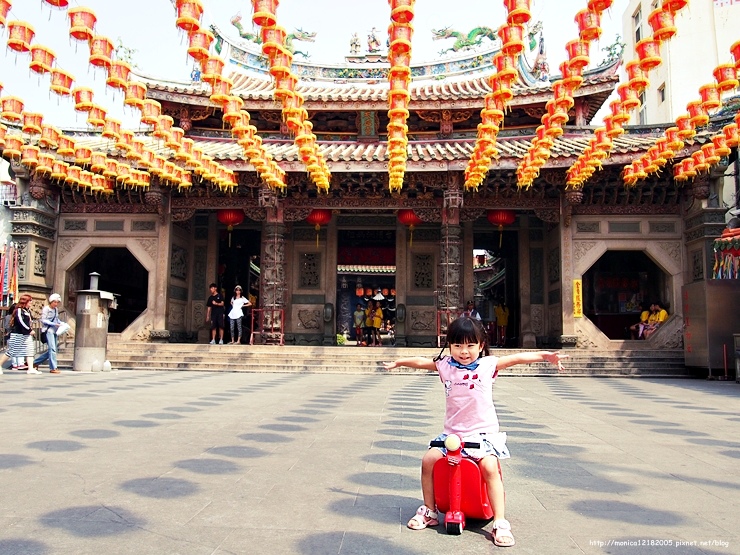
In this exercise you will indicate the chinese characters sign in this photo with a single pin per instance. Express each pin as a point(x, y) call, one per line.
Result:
point(577, 298)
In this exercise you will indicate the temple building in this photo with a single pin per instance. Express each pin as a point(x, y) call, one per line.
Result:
point(573, 263)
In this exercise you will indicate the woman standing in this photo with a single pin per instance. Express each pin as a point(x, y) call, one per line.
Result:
point(377, 324)
point(21, 335)
point(236, 313)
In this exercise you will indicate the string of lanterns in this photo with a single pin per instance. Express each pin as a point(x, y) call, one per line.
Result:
point(400, 32)
point(496, 101)
point(293, 112)
point(589, 30)
point(661, 21)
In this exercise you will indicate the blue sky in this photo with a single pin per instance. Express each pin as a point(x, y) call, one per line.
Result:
point(148, 27)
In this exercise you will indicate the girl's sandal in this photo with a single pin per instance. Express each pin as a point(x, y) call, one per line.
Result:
point(424, 517)
point(502, 536)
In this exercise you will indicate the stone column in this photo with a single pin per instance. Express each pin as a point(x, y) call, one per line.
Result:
point(159, 196)
point(528, 339)
point(450, 268)
point(569, 337)
point(272, 277)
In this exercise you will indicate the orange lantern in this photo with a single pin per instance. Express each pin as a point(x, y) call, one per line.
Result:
point(409, 218)
point(700, 162)
point(96, 116)
point(636, 77)
point(32, 123)
point(189, 13)
point(111, 129)
point(101, 51)
point(518, 11)
point(673, 139)
point(639, 170)
point(20, 35)
point(613, 127)
point(599, 6)
point(661, 21)
point(685, 127)
point(135, 94)
point(731, 134)
point(562, 96)
point(97, 162)
point(66, 146)
point(211, 67)
point(501, 218)
point(628, 175)
point(5, 6)
point(72, 176)
point(678, 173)
point(81, 23)
point(709, 97)
point(620, 114)
point(49, 136)
point(400, 37)
point(42, 58)
point(82, 155)
point(13, 146)
point(284, 87)
point(273, 38)
point(571, 75)
point(150, 111)
point(556, 113)
point(648, 51)
point(578, 53)
point(512, 39)
point(111, 168)
point(726, 77)
point(589, 25)
point(61, 82)
point(125, 141)
point(628, 97)
point(162, 127)
point(186, 150)
point(147, 158)
point(402, 11)
point(221, 89)
point(59, 170)
point(118, 73)
point(264, 12)
point(200, 43)
point(698, 115)
point(735, 49)
point(123, 173)
point(506, 67)
point(500, 90)
point(83, 97)
point(710, 154)
point(665, 151)
point(157, 165)
point(86, 179)
point(232, 110)
point(175, 139)
point(30, 156)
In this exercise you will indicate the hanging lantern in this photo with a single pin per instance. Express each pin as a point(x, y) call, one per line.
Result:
point(221, 89)
point(81, 23)
point(319, 217)
point(518, 11)
point(97, 162)
point(83, 97)
point(61, 4)
point(111, 168)
point(118, 73)
point(571, 76)
point(273, 39)
point(648, 51)
point(501, 218)
point(232, 110)
point(211, 67)
point(697, 114)
point(400, 35)
point(5, 6)
point(111, 129)
point(562, 96)
point(66, 146)
point(506, 68)
point(200, 43)
point(636, 77)
point(678, 173)
point(30, 156)
point(189, 13)
point(359, 290)
point(162, 127)
point(578, 53)
point(135, 94)
point(731, 134)
point(661, 21)
point(613, 128)
point(710, 154)
point(726, 77)
point(709, 97)
point(402, 11)
point(628, 97)
point(82, 155)
point(59, 170)
point(674, 5)
point(49, 136)
point(42, 58)
point(32, 123)
point(61, 82)
point(512, 39)
point(409, 218)
point(96, 116)
point(264, 12)
point(86, 180)
point(589, 25)
point(101, 51)
point(735, 49)
point(700, 163)
point(150, 111)
point(20, 35)
point(665, 151)
point(125, 141)
point(673, 137)
point(175, 139)
point(13, 146)
point(599, 6)
point(147, 158)
point(230, 217)
point(72, 176)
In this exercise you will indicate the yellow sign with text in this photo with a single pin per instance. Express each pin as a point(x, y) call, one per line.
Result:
point(577, 298)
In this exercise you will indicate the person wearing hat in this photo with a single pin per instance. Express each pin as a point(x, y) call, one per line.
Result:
point(236, 313)
point(50, 323)
point(471, 312)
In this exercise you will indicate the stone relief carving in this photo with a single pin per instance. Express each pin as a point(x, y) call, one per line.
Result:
point(199, 314)
point(176, 318)
point(588, 227)
point(144, 334)
point(22, 250)
point(147, 225)
point(75, 225)
point(423, 320)
point(584, 341)
point(580, 248)
point(179, 262)
point(672, 249)
point(537, 315)
point(39, 261)
point(553, 265)
point(309, 319)
point(555, 319)
point(697, 265)
point(150, 246)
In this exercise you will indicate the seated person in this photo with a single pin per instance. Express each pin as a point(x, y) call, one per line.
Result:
point(637, 329)
point(658, 315)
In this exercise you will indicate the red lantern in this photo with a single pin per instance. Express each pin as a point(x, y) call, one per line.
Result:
point(135, 94)
point(101, 50)
point(42, 58)
point(648, 51)
point(45, 164)
point(4, 9)
point(118, 74)
point(402, 11)
point(200, 42)
point(150, 111)
point(661, 20)
point(96, 116)
point(731, 134)
point(599, 6)
point(589, 25)
point(83, 97)
point(726, 77)
point(636, 77)
point(319, 217)
point(61, 82)
point(698, 115)
point(709, 96)
point(32, 123)
point(230, 217)
point(400, 37)
point(211, 67)
point(735, 49)
point(273, 38)
point(20, 35)
point(189, 13)
point(61, 4)
point(674, 5)
point(501, 218)
point(264, 12)
point(30, 156)
point(13, 146)
point(49, 136)
point(66, 146)
point(578, 53)
point(512, 39)
point(111, 129)
point(81, 23)
point(518, 11)
point(409, 218)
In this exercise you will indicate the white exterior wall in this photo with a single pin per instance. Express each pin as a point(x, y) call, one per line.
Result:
point(706, 30)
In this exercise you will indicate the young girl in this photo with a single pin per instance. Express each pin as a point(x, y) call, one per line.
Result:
point(236, 313)
point(468, 374)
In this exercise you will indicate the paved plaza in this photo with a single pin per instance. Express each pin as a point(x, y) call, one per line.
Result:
point(220, 463)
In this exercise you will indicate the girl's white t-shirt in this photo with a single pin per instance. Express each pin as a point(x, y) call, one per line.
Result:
point(236, 307)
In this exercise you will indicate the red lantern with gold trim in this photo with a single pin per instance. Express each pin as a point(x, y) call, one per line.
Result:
point(5, 6)
point(61, 4)
point(578, 53)
point(118, 73)
point(409, 218)
point(501, 218)
point(83, 97)
point(628, 97)
point(512, 39)
point(697, 113)
point(264, 12)
point(589, 25)
point(319, 217)
point(648, 51)
point(42, 59)
point(20, 35)
point(661, 21)
point(30, 156)
point(200, 43)
point(230, 217)
point(101, 51)
point(135, 94)
point(211, 67)
point(13, 146)
point(150, 111)
point(61, 82)
point(709, 97)
point(726, 77)
point(32, 123)
point(402, 11)
point(82, 23)
point(49, 136)
point(96, 116)
point(731, 134)
point(66, 146)
point(518, 11)
point(189, 13)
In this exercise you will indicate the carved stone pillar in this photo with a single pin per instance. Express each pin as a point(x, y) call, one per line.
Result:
point(566, 272)
point(450, 268)
point(272, 277)
point(528, 338)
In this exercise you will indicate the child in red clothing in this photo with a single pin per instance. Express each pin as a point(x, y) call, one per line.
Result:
point(468, 374)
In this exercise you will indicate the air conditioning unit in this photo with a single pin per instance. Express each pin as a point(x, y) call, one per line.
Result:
point(9, 202)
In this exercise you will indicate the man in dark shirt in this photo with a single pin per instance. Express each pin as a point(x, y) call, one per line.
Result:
point(215, 314)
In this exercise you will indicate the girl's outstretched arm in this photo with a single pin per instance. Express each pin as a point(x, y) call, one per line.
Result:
point(411, 362)
point(554, 358)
